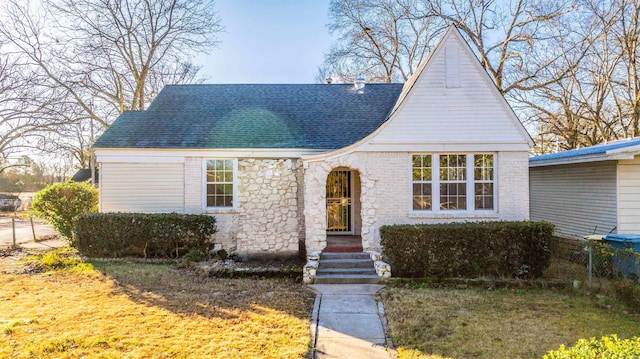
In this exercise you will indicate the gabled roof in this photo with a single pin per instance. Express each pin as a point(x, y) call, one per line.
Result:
point(623, 149)
point(312, 116)
point(453, 31)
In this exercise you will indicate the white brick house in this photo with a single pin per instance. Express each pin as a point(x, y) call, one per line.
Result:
point(285, 167)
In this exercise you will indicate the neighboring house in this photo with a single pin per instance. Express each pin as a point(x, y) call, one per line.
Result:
point(84, 174)
point(283, 166)
point(593, 190)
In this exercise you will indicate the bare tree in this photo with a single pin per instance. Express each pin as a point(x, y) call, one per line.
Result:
point(513, 40)
point(380, 40)
point(388, 39)
point(599, 100)
point(26, 105)
point(107, 56)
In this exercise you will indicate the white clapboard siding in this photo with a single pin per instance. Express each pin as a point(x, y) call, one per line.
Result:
point(142, 187)
point(580, 199)
point(629, 196)
point(448, 108)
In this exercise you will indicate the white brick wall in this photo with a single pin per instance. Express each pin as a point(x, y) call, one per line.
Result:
point(513, 186)
point(386, 193)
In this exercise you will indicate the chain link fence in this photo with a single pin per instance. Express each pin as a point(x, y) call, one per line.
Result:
point(593, 261)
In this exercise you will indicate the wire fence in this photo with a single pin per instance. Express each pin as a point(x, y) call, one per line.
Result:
point(593, 261)
point(15, 231)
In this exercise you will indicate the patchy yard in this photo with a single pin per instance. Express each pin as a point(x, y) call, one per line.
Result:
point(476, 323)
point(116, 310)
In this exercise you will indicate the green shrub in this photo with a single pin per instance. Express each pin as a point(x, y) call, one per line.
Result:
point(59, 203)
point(605, 348)
point(193, 255)
point(164, 235)
point(502, 249)
point(627, 293)
point(65, 258)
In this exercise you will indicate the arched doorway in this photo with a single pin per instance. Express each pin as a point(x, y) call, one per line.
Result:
point(343, 209)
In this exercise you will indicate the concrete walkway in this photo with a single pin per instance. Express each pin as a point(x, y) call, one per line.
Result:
point(348, 322)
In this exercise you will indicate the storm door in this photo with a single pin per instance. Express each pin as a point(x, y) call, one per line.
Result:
point(339, 203)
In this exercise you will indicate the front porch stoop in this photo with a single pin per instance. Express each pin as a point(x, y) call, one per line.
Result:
point(345, 268)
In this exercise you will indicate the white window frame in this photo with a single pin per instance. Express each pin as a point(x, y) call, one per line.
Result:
point(493, 182)
point(234, 205)
point(422, 182)
point(470, 184)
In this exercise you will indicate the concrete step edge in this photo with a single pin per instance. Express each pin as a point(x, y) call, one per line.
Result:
point(369, 270)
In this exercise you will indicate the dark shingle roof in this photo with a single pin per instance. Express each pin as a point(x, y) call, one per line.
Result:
point(314, 116)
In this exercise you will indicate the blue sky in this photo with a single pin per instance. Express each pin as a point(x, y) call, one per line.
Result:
point(268, 41)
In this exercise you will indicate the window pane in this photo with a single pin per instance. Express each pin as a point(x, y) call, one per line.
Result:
point(228, 201)
point(416, 174)
point(483, 196)
point(426, 174)
point(219, 177)
point(421, 167)
point(416, 161)
point(211, 165)
point(453, 196)
point(422, 196)
point(421, 202)
point(228, 165)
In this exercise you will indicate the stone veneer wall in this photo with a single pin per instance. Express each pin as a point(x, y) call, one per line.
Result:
point(315, 211)
point(386, 192)
point(268, 221)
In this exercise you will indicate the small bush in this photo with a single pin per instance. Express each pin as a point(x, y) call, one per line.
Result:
point(164, 235)
point(502, 249)
point(607, 347)
point(59, 203)
point(65, 258)
point(627, 293)
point(193, 255)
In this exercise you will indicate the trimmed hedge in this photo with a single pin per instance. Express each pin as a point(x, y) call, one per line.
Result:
point(165, 235)
point(605, 348)
point(472, 249)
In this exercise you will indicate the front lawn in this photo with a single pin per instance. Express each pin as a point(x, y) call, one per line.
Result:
point(480, 323)
point(118, 310)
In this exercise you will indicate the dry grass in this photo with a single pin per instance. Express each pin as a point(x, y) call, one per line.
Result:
point(476, 323)
point(149, 311)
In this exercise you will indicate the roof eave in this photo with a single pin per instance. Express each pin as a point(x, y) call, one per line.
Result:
point(624, 153)
point(569, 160)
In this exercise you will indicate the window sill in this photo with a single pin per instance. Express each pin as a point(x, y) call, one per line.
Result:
point(455, 215)
point(221, 210)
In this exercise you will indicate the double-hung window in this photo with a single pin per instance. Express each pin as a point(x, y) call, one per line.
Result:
point(483, 181)
point(452, 182)
point(220, 183)
point(422, 174)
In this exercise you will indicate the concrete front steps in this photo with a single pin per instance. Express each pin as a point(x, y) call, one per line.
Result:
point(346, 268)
